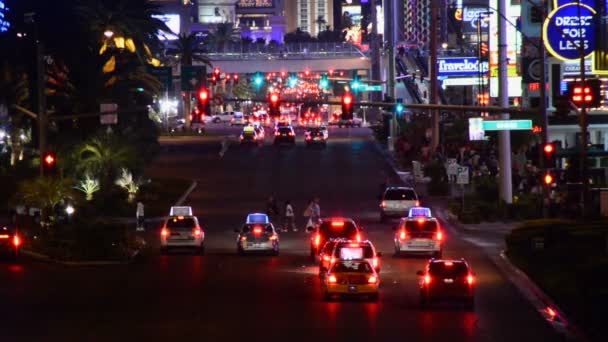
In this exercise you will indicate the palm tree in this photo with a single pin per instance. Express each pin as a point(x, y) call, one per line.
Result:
point(45, 193)
point(104, 156)
point(14, 90)
point(129, 24)
point(224, 34)
point(187, 47)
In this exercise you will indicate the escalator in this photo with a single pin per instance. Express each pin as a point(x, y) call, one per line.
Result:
point(407, 82)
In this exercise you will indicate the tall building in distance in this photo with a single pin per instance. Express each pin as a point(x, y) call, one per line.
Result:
point(311, 16)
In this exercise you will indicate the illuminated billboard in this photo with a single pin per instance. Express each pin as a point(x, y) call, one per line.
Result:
point(514, 41)
point(4, 24)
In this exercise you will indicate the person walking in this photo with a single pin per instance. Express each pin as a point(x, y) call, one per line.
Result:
point(289, 218)
point(139, 215)
point(307, 215)
point(272, 209)
point(315, 212)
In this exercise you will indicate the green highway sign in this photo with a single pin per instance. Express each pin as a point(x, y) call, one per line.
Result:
point(507, 125)
point(193, 77)
point(367, 87)
point(163, 75)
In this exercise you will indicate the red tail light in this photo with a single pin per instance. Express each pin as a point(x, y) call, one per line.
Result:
point(277, 134)
point(317, 240)
point(383, 204)
point(470, 279)
point(421, 221)
point(427, 279)
point(417, 203)
point(372, 280)
point(164, 232)
point(358, 237)
point(16, 240)
point(257, 230)
point(197, 232)
point(290, 134)
point(402, 235)
point(332, 279)
point(439, 236)
point(326, 257)
point(243, 238)
point(375, 262)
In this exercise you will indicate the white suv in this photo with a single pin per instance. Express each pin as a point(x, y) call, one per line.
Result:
point(182, 232)
point(397, 201)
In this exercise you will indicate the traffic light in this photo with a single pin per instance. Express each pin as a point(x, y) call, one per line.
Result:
point(258, 80)
point(399, 106)
point(236, 79)
point(274, 101)
point(217, 72)
point(307, 73)
point(324, 82)
point(214, 80)
point(548, 179)
point(388, 100)
point(202, 109)
point(293, 81)
point(49, 164)
point(586, 94)
point(549, 154)
point(347, 106)
point(355, 84)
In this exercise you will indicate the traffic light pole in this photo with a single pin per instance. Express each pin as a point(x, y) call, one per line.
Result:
point(389, 15)
point(433, 74)
point(583, 121)
point(504, 137)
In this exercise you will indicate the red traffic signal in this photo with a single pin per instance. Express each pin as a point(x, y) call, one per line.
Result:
point(203, 95)
point(347, 106)
point(347, 99)
point(203, 102)
point(273, 105)
point(236, 78)
point(587, 93)
point(217, 72)
point(274, 98)
point(549, 148)
point(49, 159)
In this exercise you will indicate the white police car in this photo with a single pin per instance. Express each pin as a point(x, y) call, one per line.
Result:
point(257, 235)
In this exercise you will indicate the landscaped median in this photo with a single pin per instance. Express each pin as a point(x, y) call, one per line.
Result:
point(568, 260)
point(103, 232)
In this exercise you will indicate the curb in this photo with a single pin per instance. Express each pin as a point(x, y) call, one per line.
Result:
point(545, 306)
point(46, 258)
point(181, 200)
point(539, 299)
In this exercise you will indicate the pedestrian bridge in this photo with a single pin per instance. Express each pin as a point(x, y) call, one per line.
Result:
point(290, 58)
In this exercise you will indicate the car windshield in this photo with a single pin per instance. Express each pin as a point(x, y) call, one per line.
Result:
point(176, 222)
point(400, 195)
point(421, 225)
point(285, 130)
point(335, 229)
point(354, 251)
point(448, 269)
point(352, 266)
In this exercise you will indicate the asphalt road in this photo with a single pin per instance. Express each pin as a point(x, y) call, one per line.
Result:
point(224, 297)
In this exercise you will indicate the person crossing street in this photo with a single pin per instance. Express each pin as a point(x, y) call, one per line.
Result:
point(289, 218)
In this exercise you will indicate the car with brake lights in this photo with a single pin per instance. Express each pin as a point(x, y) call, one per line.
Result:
point(332, 228)
point(351, 278)
point(421, 235)
point(342, 249)
point(10, 242)
point(257, 235)
point(181, 230)
point(315, 135)
point(284, 135)
point(250, 136)
point(445, 279)
point(396, 201)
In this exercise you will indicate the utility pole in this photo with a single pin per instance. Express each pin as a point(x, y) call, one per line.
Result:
point(373, 41)
point(504, 137)
point(433, 74)
point(583, 119)
point(389, 17)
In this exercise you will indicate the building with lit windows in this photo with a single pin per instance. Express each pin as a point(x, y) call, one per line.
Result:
point(310, 16)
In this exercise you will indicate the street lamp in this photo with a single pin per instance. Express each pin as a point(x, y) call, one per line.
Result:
point(108, 34)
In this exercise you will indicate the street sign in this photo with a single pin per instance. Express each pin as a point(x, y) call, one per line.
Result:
point(163, 75)
point(463, 175)
point(109, 113)
point(367, 87)
point(566, 26)
point(193, 77)
point(452, 168)
point(507, 125)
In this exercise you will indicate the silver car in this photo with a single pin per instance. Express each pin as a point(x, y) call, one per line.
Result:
point(397, 201)
point(257, 237)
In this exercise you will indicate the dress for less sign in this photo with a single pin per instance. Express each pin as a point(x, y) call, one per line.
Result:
point(565, 28)
point(461, 66)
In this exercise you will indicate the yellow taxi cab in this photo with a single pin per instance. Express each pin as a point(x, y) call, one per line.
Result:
point(351, 278)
